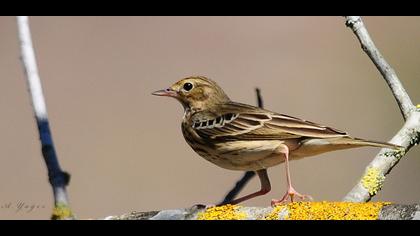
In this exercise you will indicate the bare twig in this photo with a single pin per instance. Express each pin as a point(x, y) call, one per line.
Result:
point(240, 184)
point(260, 101)
point(249, 174)
point(408, 136)
point(57, 178)
point(391, 78)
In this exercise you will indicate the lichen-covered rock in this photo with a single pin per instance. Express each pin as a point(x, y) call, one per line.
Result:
point(291, 211)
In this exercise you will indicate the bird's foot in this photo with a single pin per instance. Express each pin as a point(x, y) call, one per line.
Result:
point(291, 193)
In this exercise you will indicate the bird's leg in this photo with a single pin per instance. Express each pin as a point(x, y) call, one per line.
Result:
point(265, 187)
point(291, 192)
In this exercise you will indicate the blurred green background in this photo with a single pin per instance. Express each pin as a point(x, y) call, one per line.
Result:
point(124, 147)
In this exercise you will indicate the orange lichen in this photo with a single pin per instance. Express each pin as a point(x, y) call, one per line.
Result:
point(225, 212)
point(329, 211)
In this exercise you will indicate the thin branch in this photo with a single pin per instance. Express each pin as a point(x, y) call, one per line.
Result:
point(391, 78)
point(57, 178)
point(374, 176)
point(240, 184)
point(260, 101)
point(408, 136)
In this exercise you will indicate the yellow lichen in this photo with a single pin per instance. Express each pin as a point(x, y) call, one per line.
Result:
point(225, 212)
point(329, 211)
point(373, 180)
point(61, 212)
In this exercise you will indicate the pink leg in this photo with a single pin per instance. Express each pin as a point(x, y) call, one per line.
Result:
point(291, 192)
point(265, 187)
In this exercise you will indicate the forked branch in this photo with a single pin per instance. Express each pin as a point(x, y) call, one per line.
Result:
point(408, 136)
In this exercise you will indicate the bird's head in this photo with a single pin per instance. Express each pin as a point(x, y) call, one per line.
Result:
point(196, 93)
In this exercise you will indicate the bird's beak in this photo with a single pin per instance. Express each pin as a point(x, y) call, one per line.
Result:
point(166, 92)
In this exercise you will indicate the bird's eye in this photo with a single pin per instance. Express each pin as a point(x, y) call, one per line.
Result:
point(188, 86)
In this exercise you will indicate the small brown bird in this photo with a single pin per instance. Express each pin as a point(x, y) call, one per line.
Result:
point(237, 136)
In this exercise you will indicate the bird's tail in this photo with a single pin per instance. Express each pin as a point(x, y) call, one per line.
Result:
point(362, 142)
point(312, 147)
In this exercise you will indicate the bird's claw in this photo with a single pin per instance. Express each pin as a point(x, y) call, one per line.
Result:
point(291, 193)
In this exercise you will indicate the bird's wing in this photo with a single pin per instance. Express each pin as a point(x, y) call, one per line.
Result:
point(236, 121)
